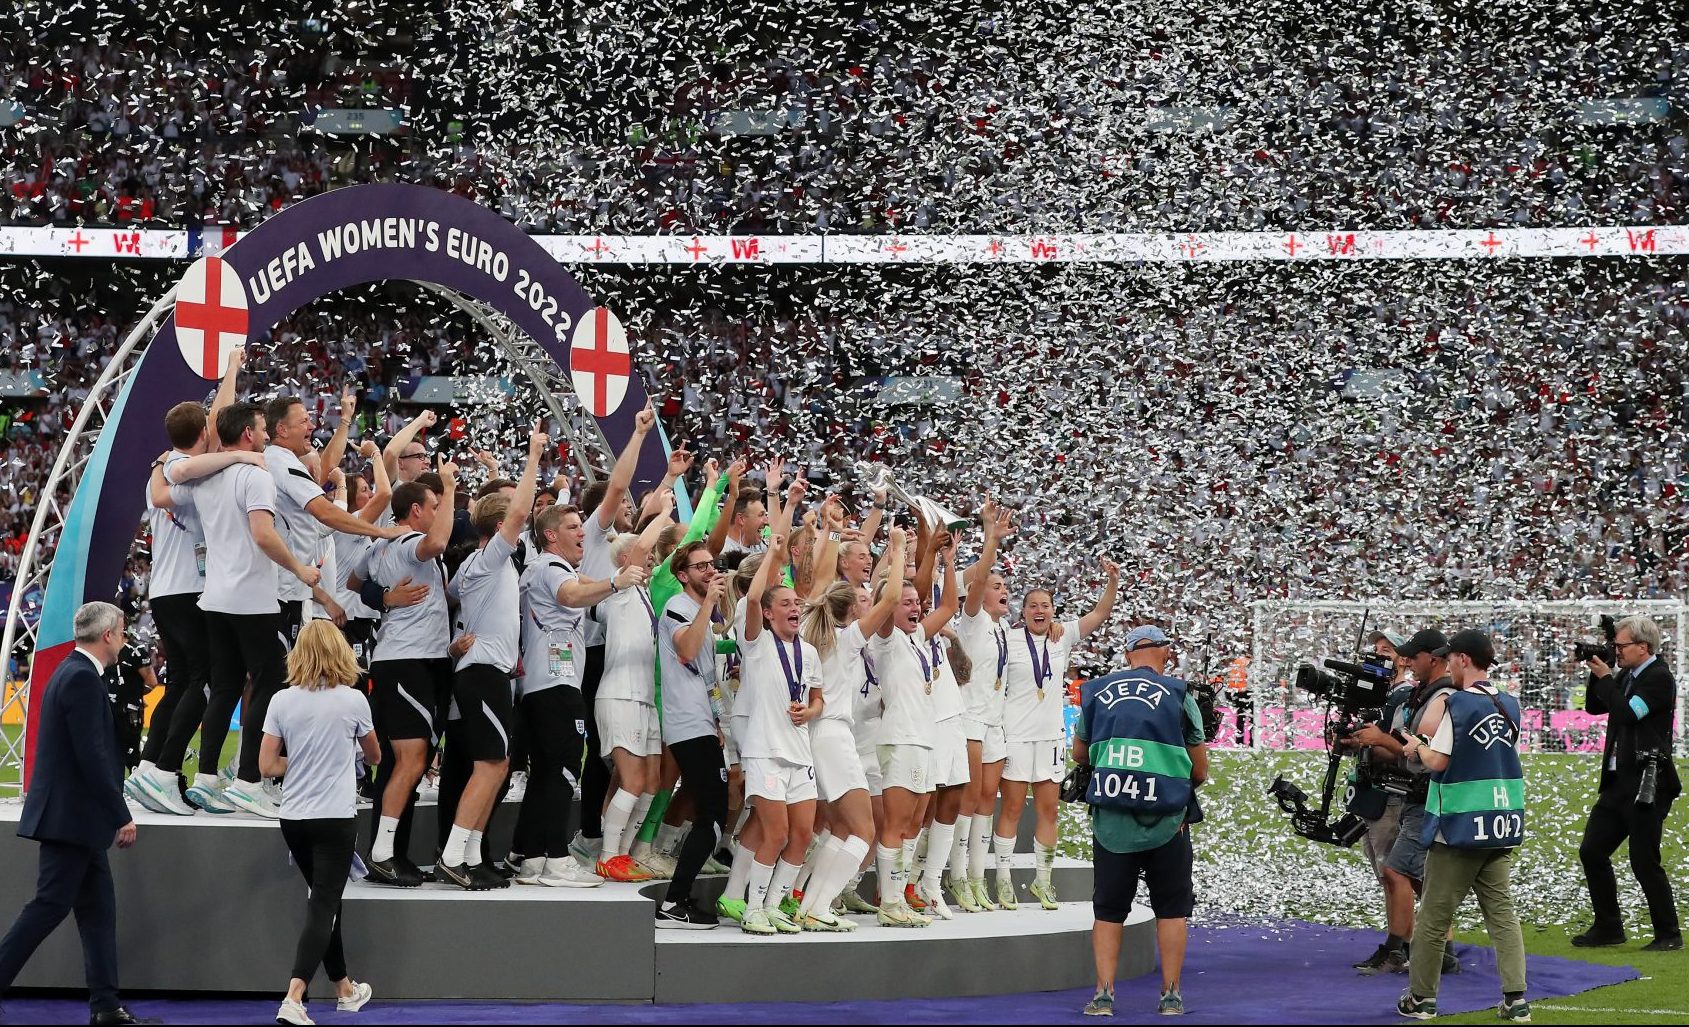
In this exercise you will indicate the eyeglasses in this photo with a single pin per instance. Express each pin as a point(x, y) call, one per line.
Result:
point(414, 456)
point(698, 566)
point(1621, 645)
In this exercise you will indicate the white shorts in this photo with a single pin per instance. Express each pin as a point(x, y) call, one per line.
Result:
point(777, 780)
point(906, 766)
point(949, 754)
point(992, 747)
point(868, 754)
point(838, 769)
point(730, 729)
point(1033, 762)
point(625, 724)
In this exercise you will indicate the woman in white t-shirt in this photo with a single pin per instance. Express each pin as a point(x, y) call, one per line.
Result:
point(839, 626)
point(982, 629)
point(906, 675)
point(314, 734)
point(781, 692)
point(1035, 730)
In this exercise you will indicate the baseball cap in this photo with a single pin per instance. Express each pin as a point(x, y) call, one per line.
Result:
point(1145, 636)
point(1426, 640)
point(1396, 639)
point(1470, 642)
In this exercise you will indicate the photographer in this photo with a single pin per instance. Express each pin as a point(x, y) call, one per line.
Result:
point(1475, 818)
point(1146, 758)
point(1375, 760)
point(1639, 703)
point(1404, 866)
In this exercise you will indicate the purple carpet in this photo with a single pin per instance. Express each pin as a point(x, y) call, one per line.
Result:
point(1245, 973)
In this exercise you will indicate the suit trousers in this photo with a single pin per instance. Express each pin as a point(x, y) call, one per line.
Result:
point(73, 879)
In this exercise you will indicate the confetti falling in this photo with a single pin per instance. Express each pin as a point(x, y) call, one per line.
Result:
point(1455, 430)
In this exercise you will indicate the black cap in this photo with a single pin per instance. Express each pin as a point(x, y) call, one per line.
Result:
point(1426, 640)
point(1470, 642)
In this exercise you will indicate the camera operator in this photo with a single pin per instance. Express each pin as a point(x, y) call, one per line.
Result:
point(1475, 818)
point(1639, 703)
point(1404, 866)
point(1380, 808)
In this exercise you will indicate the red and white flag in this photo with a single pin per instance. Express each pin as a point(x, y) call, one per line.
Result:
point(211, 317)
point(599, 364)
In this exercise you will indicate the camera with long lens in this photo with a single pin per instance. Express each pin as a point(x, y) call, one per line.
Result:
point(1649, 783)
point(1605, 652)
point(1354, 694)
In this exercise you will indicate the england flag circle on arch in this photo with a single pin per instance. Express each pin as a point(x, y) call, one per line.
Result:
point(599, 364)
point(211, 316)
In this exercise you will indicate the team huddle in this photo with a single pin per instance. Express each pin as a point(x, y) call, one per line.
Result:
point(771, 688)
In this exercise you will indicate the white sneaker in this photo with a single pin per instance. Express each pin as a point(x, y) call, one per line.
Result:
point(585, 850)
point(566, 873)
point(273, 789)
point(361, 994)
point(529, 871)
point(293, 1012)
point(664, 865)
point(518, 786)
point(934, 898)
point(205, 794)
point(157, 792)
point(252, 799)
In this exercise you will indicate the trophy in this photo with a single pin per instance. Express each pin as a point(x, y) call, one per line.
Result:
point(877, 478)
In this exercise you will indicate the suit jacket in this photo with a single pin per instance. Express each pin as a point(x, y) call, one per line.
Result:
point(76, 792)
point(1626, 735)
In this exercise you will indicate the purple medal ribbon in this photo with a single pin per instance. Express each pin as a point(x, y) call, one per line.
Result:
point(1040, 673)
point(794, 683)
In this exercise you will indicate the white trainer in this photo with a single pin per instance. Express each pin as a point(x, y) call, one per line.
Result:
point(293, 1012)
point(361, 994)
point(251, 798)
point(566, 873)
point(529, 871)
point(158, 791)
point(518, 786)
point(934, 898)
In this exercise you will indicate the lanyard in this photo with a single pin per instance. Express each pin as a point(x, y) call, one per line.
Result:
point(926, 664)
point(937, 653)
point(1001, 638)
point(1040, 672)
point(794, 682)
point(872, 678)
point(645, 601)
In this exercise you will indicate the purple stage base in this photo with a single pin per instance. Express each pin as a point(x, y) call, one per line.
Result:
point(1238, 973)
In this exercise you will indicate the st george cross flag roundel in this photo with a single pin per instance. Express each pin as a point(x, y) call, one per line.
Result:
point(211, 317)
point(599, 364)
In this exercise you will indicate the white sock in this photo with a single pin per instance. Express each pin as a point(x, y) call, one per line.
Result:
point(761, 877)
point(847, 869)
point(669, 836)
point(739, 875)
point(472, 850)
point(905, 864)
point(886, 859)
point(386, 830)
point(979, 848)
point(1045, 857)
point(1005, 850)
point(938, 855)
point(958, 865)
point(636, 827)
point(923, 849)
point(457, 847)
point(812, 857)
point(616, 822)
point(826, 867)
point(780, 885)
point(744, 818)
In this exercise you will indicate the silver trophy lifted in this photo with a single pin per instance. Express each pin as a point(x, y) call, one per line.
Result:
point(877, 477)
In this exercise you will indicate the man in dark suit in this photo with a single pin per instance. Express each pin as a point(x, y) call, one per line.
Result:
point(75, 809)
point(1639, 702)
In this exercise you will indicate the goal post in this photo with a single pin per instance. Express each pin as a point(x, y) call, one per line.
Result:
point(1534, 661)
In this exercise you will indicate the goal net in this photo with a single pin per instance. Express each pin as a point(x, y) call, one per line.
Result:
point(1534, 661)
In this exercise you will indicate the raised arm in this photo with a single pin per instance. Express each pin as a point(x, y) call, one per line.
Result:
point(206, 464)
point(724, 520)
point(871, 523)
point(381, 495)
point(522, 503)
point(935, 621)
point(824, 563)
point(335, 451)
point(878, 617)
point(690, 640)
point(927, 556)
point(404, 437)
point(1105, 606)
point(225, 395)
point(759, 585)
point(440, 532)
point(621, 476)
point(996, 522)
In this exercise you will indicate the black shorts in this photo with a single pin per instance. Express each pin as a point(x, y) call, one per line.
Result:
point(408, 697)
point(293, 618)
point(485, 710)
point(360, 635)
point(1166, 868)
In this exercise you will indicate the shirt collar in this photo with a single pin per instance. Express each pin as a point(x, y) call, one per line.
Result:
point(101, 667)
point(1637, 672)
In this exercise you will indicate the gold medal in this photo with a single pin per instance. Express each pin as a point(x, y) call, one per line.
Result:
point(998, 686)
point(1041, 695)
point(929, 686)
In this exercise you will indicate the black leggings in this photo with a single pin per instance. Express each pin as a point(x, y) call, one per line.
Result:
point(181, 631)
point(703, 773)
point(322, 849)
point(552, 720)
point(595, 776)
